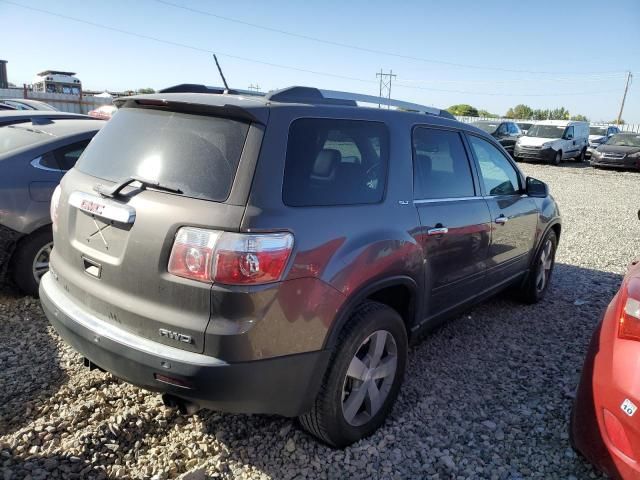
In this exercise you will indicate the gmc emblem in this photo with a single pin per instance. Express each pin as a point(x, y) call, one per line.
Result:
point(91, 207)
point(180, 337)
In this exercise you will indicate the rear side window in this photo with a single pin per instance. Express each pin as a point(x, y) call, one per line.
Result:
point(440, 165)
point(197, 154)
point(335, 162)
point(68, 156)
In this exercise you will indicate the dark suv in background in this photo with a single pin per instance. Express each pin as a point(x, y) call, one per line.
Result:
point(506, 133)
point(277, 254)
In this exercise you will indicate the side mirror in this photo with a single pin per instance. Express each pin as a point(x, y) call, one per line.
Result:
point(568, 137)
point(537, 188)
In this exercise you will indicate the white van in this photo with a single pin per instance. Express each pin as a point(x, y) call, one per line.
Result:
point(553, 141)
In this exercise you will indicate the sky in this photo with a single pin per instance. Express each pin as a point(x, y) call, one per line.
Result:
point(490, 54)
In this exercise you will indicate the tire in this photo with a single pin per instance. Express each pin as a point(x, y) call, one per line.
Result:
point(23, 263)
point(535, 286)
point(581, 157)
point(335, 419)
point(557, 159)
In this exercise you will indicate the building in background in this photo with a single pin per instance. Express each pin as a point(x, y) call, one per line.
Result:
point(54, 81)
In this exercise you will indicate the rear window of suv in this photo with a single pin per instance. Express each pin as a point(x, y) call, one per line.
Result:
point(335, 162)
point(197, 154)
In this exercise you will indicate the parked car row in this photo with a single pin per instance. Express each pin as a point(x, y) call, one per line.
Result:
point(554, 141)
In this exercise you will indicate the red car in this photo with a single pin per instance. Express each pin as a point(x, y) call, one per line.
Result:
point(105, 112)
point(605, 422)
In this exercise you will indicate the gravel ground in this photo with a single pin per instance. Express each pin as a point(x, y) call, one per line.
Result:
point(486, 396)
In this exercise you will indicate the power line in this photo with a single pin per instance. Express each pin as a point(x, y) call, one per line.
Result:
point(364, 49)
point(270, 64)
point(184, 45)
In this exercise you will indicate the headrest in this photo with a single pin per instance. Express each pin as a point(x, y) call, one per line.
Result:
point(424, 161)
point(326, 162)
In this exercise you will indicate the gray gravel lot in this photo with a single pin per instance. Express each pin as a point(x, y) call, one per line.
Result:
point(486, 396)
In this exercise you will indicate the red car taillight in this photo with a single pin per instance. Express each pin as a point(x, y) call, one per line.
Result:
point(53, 208)
point(230, 258)
point(629, 324)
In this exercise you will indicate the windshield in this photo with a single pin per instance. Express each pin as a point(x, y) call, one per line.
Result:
point(488, 127)
point(546, 131)
point(12, 138)
point(601, 131)
point(625, 140)
point(197, 154)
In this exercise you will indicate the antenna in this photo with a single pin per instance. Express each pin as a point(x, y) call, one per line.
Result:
point(224, 80)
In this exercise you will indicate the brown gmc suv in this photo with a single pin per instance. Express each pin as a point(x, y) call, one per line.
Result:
point(277, 254)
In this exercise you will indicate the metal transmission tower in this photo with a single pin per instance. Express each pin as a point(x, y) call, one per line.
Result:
point(255, 88)
point(385, 84)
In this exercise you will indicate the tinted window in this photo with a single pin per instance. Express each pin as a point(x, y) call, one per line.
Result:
point(48, 160)
point(68, 156)
point(197, 154)
point(335, 162)
point(440, 165)
point(503, 129)
point(497, 173)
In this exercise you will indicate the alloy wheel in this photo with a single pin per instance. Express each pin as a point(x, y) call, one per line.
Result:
point(369, 378)
point(545, 264)
point(40, 264)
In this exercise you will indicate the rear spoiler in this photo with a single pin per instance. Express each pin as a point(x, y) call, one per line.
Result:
point(255, 115)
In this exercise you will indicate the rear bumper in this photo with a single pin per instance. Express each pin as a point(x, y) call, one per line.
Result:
point(285, 385)
point(607, 379)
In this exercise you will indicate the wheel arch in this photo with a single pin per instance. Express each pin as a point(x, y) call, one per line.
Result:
point(556, 227)
point(398, 292)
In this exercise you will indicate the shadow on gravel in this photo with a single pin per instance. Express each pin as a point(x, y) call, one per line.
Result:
point(29, 368)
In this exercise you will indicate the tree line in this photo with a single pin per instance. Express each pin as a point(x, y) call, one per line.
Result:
point(521, 111)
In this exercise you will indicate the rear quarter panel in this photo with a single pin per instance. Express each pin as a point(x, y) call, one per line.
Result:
point(343, 247)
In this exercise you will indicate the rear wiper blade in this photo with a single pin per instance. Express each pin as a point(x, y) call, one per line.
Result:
point(117, 188)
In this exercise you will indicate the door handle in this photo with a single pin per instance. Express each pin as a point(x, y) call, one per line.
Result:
point(501, 220)
point(437, 231)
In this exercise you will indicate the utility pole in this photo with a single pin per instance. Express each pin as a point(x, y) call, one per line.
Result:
point(255, 88)
point(624, 97)
point(385, 84)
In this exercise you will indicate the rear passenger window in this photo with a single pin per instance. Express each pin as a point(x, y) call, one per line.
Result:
point(68, 156)
point(440, 165)
point(335, 162)
point(497, 173)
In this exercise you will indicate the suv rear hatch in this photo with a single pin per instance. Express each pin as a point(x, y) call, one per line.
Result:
point(112, 249)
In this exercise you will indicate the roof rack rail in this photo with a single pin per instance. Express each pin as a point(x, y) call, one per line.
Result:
point(335, 97)
point(197, 88)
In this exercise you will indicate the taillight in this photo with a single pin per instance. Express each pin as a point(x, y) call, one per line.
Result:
point(230, 258)
point(192, 253)
point(53, 208)
point(629, 326)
